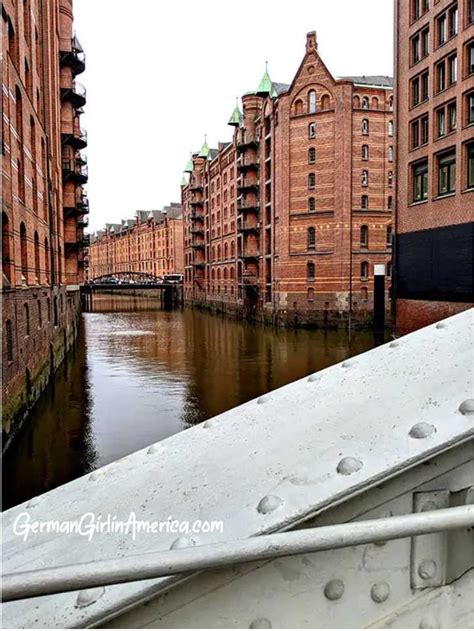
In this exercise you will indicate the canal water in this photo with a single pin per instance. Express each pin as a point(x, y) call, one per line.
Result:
point(139, 374)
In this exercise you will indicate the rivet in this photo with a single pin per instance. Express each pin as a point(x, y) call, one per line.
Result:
point(92, 477)
point(152, 450)
point(182, 542)
point(87, 597)
point(441, 325)
point(269, 503)
point(380, 592)
point(260, 623)
point(313, 378)
point(334, 589)
point(263, 399)
point(380, 544)
point(347, 364)
point(427, 569)
point(33, 502)
point(428, 506)
point(422, 430)
point(207, 424)
point(427, 623)
point(394, 344)
point(467, 406)
point(349, 465)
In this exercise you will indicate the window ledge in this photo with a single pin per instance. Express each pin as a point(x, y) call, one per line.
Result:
point(418, 203)
point(470, 189)
point(438, 197)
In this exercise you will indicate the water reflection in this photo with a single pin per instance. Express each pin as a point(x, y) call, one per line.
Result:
point(140, 374)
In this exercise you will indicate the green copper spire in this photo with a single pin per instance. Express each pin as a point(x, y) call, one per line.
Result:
point(274, 93)
point(204, 149)
point(236, 118)
point(265, 86)
point(189, 166)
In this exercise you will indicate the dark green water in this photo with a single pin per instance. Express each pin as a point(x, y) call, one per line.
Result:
point(139, 374)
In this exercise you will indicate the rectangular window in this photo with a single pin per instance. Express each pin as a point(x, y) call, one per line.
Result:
point(453, 20)
point(415, 134)
point(452, 117)
point(442, 30)
point(447, 173)
point(415, 49)
point(470, 58)
point(425, 42)
point(425, 130)
point(470, 165)
point(441, 76)
point(425, 86)
point(415, 10)
point(420, 181)
point(470, 107)
point(441, 120)
point(452, 69)
point(415, 91)
point(470, 11)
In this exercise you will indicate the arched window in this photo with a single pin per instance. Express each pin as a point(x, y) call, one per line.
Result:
point(375, 103)
point(24, 253)
point(213, 252)
point(311, 101)
point(311, 238)
point(299, 107)
point(364, 202)
point(225, 273)
point(219, 275)
point(365, 103)
point(232, 273)
point(37, 258)
point(311, 181)
point(390, 202)
point(232, 249)
point(219, 253)
point(365, 152)
point(311, 155)
point(226, 250)
point(311, 204)
point(389, 236)
point(364, 236)
point(48, 309)
point(365, 178)
point(390, 178)
point(310, 270)
point(356, 101)
point(213, 274)
point(390, 154)
point(6, 262)
point(389, 269)
point(310, 294)
point(390, 103)
point(312, 130)
point(364, 294)
point(364, 270)
point(26, 310)
point(325, 102)
point(390, 128)
point(9, 340)
point(365, 127)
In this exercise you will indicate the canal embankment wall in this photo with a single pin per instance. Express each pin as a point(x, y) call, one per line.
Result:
point(291, 318)
point(40, 327)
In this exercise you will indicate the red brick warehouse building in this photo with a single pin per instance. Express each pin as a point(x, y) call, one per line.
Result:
point(43, 202)
point(435, 159)
point(287, 221)
point(151, 243)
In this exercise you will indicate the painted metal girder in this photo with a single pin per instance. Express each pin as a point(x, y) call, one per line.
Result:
point(265, 466)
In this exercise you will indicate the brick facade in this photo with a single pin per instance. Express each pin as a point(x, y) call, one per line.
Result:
point(152, 243)
point(286, 222)
point(435, 160)
point(40, 248)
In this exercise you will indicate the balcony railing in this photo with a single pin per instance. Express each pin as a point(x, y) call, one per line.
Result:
point(83, 221)
point(76, 94)
point(196, 202)
point(73, 170)
point(196, 186)
point(246, 139)
point(197, 231)
point(244, 204)
point(251, 280)
point(248, 184)
point(250, 256)
point(247, 163)
point(75, 58)
point(246, 226)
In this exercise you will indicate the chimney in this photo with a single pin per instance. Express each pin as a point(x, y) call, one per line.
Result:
point(311, 42)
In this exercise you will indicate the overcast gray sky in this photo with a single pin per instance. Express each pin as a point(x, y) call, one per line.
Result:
point(162, 74)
